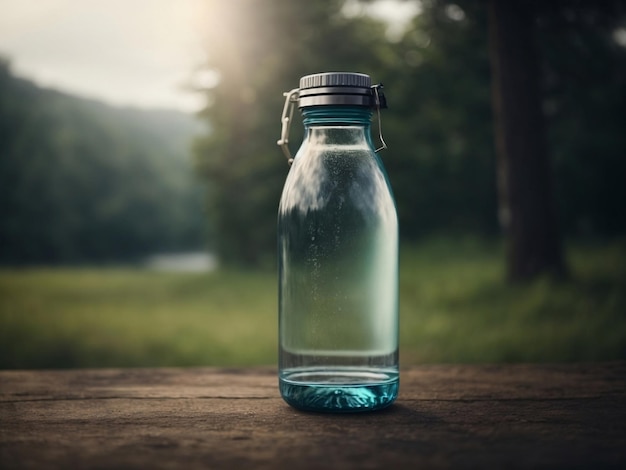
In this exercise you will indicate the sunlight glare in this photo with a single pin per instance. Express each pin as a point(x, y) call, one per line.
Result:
point(137, 53)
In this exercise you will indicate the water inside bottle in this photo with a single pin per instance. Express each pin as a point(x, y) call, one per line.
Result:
point(338, 280)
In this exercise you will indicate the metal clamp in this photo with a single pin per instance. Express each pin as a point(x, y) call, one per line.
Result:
point(290, 101)
point(380, 126)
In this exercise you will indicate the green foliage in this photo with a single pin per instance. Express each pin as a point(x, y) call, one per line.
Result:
point(584, 79)
point(440, 160)
point(454, 307)
point(264, 49)
point(82, 181)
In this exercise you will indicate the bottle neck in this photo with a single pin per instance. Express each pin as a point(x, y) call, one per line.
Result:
point(337, 125)
point(337, 116)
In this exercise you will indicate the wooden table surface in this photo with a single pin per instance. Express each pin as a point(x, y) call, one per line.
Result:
point(446, 416)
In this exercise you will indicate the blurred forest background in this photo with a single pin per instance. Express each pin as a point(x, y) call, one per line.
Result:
point(85, 184)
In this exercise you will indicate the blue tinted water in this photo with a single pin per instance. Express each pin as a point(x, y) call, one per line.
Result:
point(339, 391)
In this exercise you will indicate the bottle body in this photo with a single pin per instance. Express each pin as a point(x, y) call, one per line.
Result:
point(338, 274)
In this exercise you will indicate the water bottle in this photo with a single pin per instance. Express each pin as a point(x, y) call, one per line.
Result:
point(337, 253)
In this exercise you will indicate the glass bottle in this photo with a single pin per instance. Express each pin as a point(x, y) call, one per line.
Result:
point(337, 254)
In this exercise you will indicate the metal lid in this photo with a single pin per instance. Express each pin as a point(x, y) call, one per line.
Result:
point(326, 79)
point(339, 88)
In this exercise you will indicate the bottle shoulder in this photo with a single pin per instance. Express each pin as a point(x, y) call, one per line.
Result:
point(324, 177)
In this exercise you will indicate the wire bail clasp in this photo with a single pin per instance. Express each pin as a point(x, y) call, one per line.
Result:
point(291, 98)
point(380, 102)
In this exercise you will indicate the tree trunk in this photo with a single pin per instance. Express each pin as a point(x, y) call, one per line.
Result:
point(527, 211)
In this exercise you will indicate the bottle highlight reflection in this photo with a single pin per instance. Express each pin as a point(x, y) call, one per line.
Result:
point(338, 268)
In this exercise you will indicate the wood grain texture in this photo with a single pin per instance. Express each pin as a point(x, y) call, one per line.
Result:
point(518, 416)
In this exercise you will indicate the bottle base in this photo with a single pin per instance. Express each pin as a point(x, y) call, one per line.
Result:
point(339, 392)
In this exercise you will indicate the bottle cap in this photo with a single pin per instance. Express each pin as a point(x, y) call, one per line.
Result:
point(327, 89)
point(334, 79)
point(339, 88)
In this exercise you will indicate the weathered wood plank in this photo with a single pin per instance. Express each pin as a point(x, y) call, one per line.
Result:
point(520, 416)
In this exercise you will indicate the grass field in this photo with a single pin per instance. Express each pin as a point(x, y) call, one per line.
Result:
point(455, 307)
